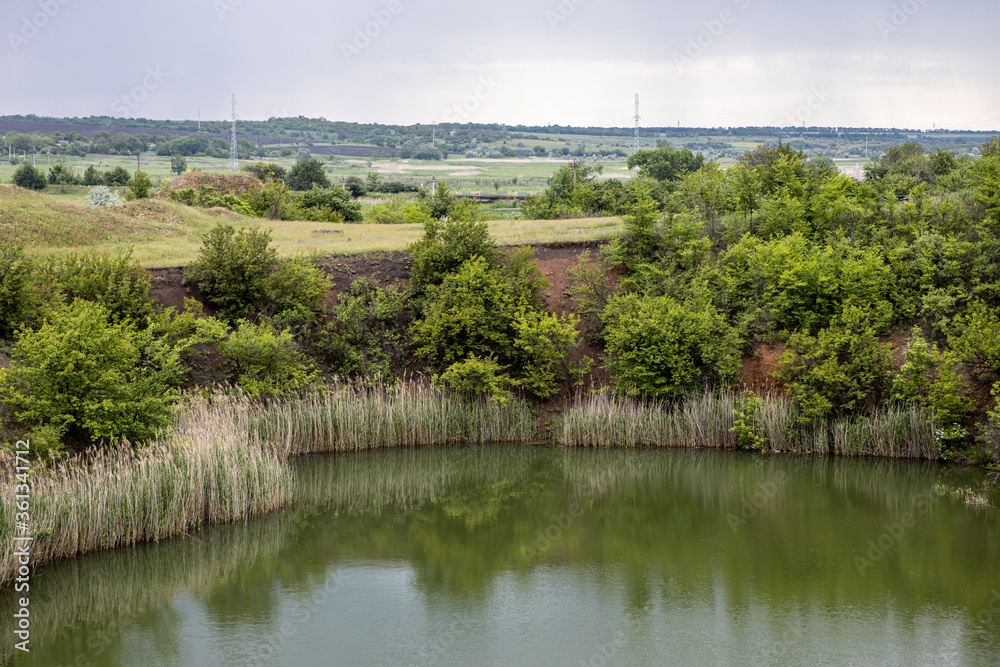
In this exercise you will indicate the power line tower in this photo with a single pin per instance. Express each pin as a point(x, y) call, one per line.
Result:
point(637, 117)
point(234, 156)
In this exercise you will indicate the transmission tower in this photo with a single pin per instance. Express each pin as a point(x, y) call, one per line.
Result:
point(637, 117)
point(234, 156)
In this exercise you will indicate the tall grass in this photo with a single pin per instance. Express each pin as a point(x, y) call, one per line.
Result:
point(227, 459)
point(707, 420)
point(205, 471)
point(405, 415)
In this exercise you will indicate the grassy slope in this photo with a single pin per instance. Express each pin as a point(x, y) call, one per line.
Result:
point(165, 233)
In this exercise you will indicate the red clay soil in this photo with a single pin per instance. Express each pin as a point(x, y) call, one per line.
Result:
point(554, 261)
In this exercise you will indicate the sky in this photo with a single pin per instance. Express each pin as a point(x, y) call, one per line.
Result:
point(916, 64)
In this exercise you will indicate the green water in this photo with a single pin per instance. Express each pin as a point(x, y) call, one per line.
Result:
point(539, 556)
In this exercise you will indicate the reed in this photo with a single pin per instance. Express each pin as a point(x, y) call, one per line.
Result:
point(706, 420)
point(204, 472)
point(405, 415)
point(226, 459)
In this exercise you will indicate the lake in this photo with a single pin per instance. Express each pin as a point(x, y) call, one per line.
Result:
point(520, 555)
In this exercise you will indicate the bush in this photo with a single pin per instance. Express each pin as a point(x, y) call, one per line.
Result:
point(330, 200)
point(233, 270)
point(139, 186)
point(366, 334)
point(471, 312)
point(266, 171)
point(299, 287)
point(544, 342)
point(265, 362)
point(91, 378)
point(397, 212)
point(17, 299)
point(101, 195)
point(60, 174)
point(660, 347)
point(478, 377)
point(117, 176)
point(186, 196)
point(445, 247)
point(842, 369)
point(933, 378)
point(28, 177)
point(117, 282)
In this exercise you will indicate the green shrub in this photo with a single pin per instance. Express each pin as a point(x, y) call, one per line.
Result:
point(366, 335)
point(471, 312)
point(933, 378)
point(661, 347)
point(543, 342)
point(329, 204)
point(186, 196)
point(233, 270)
point(117, 176)
point(298, 286)
point(28, 177)
point(264, 361)
point(92, 378)
point(269, 200)
point(117, 282)
point(840, 370)
point(60, 174)
point(445, 246)
point(139, 186)
point(397, 212)
point(18, 301)
point(477, 377)
point(975, 338)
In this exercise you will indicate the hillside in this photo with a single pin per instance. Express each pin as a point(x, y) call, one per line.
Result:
point(165, 233)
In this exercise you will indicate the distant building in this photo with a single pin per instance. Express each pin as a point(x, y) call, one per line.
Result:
point(857, 172)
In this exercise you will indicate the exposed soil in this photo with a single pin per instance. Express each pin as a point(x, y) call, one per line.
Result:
point(554, 262)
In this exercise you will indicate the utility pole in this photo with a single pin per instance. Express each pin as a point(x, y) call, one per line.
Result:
point(234, 156)
point(637, 117)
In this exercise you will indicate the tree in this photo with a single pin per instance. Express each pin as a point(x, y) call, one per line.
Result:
point(306, 173)
point(139, 186)
point(356, 186)
point(117, 176)
point(28, 177)
point(178, 164)
point(59, 174)
point(666, 163)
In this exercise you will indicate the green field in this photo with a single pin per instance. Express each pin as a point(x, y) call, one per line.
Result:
point(165, 233)
point(471, 175)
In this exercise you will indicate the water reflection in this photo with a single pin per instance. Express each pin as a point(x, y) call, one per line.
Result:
point(545, 556)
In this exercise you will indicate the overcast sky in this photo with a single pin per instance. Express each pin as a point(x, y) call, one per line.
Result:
point(864, 63)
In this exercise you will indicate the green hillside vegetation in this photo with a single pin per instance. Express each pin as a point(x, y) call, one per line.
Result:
point(167, 233)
